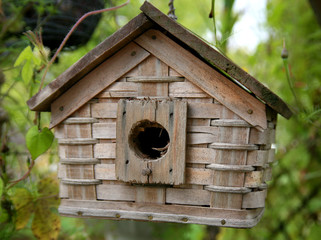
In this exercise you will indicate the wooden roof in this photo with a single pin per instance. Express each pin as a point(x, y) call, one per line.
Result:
point(150, 18)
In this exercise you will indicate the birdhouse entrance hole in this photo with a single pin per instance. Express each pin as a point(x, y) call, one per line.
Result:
point(149, 140)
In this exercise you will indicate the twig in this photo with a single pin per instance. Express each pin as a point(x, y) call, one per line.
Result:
point(24, 176)
point(71, 31)
point(171, 12)
point(212, 15)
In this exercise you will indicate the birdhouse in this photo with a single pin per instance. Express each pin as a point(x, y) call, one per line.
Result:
point(154, 124)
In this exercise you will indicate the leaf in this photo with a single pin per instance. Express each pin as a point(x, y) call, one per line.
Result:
point(23, 203)
point(38, 142)
point(27, 72)
point(46, 224)
point(25, 55)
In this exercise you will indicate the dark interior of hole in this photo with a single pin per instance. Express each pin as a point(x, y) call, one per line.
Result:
point(152, 142)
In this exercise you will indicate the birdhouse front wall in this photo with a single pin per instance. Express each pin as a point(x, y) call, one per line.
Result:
point(225, 161)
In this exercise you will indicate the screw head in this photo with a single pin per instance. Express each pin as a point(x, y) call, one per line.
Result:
point(146, 172)
point(154, 37)
point(223, 221)
point(61, 108)
point(133, 53)
point(250, 111)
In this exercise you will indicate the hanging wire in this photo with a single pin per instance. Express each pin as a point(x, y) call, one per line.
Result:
point(171, 12)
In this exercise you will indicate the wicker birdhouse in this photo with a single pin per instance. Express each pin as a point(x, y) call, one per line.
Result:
point(154, 124)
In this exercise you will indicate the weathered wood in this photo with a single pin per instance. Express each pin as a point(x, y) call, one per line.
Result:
point(79, 161)
point(80, 181)
point(75, 151)
point(186, 90)
point(204, 110)
point(212, 56)
point(104, 130)
point(198, 176)
point(187, 196)
point(254, 199)
point(170, 169)
point(231, 146)
point(232, 168)
point(42, 100)
point(80, 120)
point(200, 138)
point(63, 191)
point(265, 137)
point(77, 141)
point(104, 110)
point(159, 212)
point(149, 195)
point(116, 192)
point(223, 189)
point(105, 172)
point(152, 66)
point(229, 123)
point(105, 150)
point(253, 179)
point(93, 83)
point(205, 77)
point(155, 79)
point(201, 155)
point(203, 129)
point(119, 89)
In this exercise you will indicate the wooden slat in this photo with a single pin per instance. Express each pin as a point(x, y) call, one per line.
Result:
point(160, 212)
point(81, 182)
point(104, 110)
point(200, 138)
point(79, 161)
point(149, 195)
point(155, 79)
point(187, 196)
point(75, 151)
point(253, 179)
point(203, 129)
point(229, 123)
point(259, 158)
point(186, 90)
point(200, 155)
point(198, 176)
point(77, 141)
point(233, 146)
point(80, 120)
point(205, 77)
point(254, 199)
point(265, 137)
point(90, 85)
point(104, 130)
point(105, 150)
point(105, 172)
point(116, 192)
point(232, 168)
point(223, 189)
point(63, 191)
point(204, 110)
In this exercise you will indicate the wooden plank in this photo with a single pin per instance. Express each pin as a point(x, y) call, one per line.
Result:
point(75, 151)
point(204, 110)
point(198, 176)
point(253, 179)
point(200, 138)
point(129, 165)
point(149, 195)
point(203, 129)
point(80, 120)
point(201, 155)
point(116, 192)
point(104, 130)
point(218, 60)
point(152, 66)
point(186, 90)
point(159, 212)
point(258, 158)
point(42, 100)
point(63, 191)
point(205, 77)
point(265, 137)
point(104, 110)
point(254, 199)
point(93, 83)
point(170, 169)
point(105, 150)
point(187, 196)
point(229, 123)
point(105, 172)
point(155, 79)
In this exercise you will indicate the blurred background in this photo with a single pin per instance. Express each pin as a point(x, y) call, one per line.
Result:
point(251, 33)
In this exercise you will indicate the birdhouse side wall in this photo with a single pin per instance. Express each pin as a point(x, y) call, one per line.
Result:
point(227, 160)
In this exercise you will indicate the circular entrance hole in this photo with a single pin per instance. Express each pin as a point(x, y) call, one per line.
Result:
point(149, 139)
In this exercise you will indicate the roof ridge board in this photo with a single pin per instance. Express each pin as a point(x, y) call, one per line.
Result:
point(218, 59)
point(41, 101)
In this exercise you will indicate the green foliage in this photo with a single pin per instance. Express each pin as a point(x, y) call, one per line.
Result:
point(38, 141)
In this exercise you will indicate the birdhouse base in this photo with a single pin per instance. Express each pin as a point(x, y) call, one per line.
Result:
point(161, 213)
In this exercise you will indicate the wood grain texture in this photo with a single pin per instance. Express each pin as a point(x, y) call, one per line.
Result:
point(116, 192)
point(158, 212)
point(187, 196)
point(213, 57)
point(95, 81)
point(205, 77)
point(254, 199)
point(155, 195)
